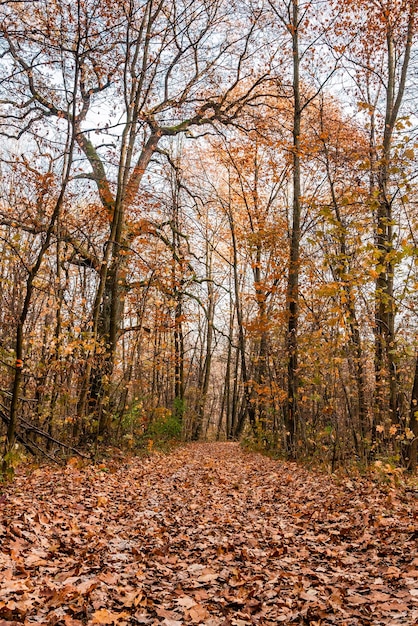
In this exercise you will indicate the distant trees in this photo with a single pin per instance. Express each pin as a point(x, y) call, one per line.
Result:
point(203, 226)
point(124, 75)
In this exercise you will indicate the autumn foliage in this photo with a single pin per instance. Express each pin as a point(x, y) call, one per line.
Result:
point(208, 227)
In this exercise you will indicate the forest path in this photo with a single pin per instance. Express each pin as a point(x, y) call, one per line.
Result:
point(209, 534)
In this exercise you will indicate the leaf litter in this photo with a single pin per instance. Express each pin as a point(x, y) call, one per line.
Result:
point(211, 535)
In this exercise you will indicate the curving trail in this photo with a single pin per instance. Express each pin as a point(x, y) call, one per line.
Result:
point(211, 535)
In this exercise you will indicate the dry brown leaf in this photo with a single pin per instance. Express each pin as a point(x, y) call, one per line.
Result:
point(103, 616)
point(85, 587)
point(161, 612)
point(198, 613)
point(393, 606)
point(378, 596)
point(186, 602)
point(264, 540)
point(207, 578)
point(69, 621)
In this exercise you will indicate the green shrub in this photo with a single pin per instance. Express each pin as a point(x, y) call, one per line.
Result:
point(164, 428)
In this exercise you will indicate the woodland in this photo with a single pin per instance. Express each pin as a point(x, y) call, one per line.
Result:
point(208, 226)
point(208, 312)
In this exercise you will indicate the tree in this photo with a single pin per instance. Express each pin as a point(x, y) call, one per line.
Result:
point(43, 183)
point(302, 21)
point(342, 149)
point(382, 64)
point(167, 68)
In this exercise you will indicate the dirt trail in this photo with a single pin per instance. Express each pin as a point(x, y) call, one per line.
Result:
point(207, 535)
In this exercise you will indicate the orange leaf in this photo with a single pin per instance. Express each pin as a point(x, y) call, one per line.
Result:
point(103, 616)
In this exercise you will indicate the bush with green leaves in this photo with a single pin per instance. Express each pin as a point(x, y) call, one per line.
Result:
point(164, 428)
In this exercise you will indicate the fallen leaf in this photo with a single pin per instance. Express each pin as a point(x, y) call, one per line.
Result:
point(207, 578)
point(198, 613)
point(103, 616)
point(186, 602)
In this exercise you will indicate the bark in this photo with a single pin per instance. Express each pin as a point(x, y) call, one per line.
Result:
point(109, 299)
point(385, 348)
point(261, 373)
point(292, 414)
point(249, 408)
point(412, 447)
point(208, 355)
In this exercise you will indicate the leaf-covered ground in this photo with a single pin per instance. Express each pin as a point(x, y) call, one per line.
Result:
point(207, 535)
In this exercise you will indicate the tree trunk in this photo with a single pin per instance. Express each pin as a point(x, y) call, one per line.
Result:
point(412, 447)
point(208, 356)
point(385, 348)
point(291, 418)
